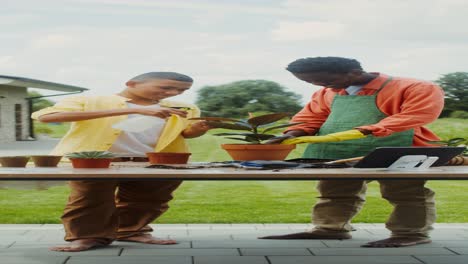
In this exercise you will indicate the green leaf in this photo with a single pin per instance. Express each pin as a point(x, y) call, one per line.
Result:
point(235, 126)
point(281, 126)
point(91, 155)
point(215, 119)
point(266, 119)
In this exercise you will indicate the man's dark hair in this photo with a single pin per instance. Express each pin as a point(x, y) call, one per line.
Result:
point(324, 64)
point(162, 75)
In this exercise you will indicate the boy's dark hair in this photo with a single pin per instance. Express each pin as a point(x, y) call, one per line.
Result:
point(324, 64)
point(162, 75)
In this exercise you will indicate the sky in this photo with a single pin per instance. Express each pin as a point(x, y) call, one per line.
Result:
point(100, 44)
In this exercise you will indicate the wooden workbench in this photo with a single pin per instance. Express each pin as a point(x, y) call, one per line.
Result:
point(136, 171)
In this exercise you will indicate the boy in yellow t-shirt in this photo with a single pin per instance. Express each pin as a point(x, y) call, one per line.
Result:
point(99, 212)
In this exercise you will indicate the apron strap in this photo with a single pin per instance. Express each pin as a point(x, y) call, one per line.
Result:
point(390, 78)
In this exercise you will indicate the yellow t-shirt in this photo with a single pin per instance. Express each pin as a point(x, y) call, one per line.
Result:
point(98, 134)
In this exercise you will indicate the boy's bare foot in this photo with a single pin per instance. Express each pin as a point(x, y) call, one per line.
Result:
point(314, 234)
point(148, 239)
point(81, 245)
point(397, 242)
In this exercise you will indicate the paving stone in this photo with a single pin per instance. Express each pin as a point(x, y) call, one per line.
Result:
point(44, 251)
point(460, 250)
point(343, 259)
point(130, 259)
point(181, 252)
point(260, 243)
point(199, 226)
point(202, 238)
point(229, 260)
point(406, 251)
point(130, 245)
point(32, 260)
point(356, 244)
point(169, 226)
point(443, 259)
point(275, 252)
point(13, 232)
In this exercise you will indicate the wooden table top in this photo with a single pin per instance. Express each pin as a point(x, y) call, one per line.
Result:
point(137, 171)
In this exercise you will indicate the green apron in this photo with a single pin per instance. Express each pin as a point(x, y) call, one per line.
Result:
point(348, 112)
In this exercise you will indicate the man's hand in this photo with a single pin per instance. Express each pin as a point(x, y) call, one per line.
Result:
point(196, 129)
point(162, 112)
point(288, 135)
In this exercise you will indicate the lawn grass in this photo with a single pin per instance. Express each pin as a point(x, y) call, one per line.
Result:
point(244, 201)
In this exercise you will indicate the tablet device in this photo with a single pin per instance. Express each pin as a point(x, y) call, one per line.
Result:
point(383, 157)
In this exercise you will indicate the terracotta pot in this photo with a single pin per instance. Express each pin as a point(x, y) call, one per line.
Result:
point(79, 163)
point(14, 161)
point(258, 152)
point(458, 160)
point(46, 160)
point(168, 157)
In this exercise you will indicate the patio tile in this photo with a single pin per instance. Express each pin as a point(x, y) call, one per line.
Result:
point(40, 250)
point(275, 252)
point(130, 245)
point(33, 260)
point(343, 259)
point(229, 260)
point(180, 252)
point(357, 244)
point(260, 243)
point(407, 251)
point(460, 250)
point(131, 259)
point(444, 259)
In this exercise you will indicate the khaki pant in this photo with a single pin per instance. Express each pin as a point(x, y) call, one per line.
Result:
point(116, 209)
point(340, 200)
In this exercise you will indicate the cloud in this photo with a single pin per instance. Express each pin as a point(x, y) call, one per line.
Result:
point(308, 30)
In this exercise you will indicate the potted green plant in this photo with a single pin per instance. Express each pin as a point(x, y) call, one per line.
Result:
point(461, 159)
point(256, 130)
point(90, 159)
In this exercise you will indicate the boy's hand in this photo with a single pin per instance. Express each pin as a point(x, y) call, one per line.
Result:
point(162, 112)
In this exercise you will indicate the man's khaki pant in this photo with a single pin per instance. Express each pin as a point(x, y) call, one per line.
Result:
point(340, 200)
point(117, 209)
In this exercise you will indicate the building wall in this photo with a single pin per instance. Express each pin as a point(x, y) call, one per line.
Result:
point(9, 97)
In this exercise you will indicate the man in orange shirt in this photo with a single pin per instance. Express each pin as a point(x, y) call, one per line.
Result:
point(375, 110)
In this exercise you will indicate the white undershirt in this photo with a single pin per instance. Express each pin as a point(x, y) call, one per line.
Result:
point(354, 89)
point(136, 144)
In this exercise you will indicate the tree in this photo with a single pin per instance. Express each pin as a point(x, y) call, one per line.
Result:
point(239, 98)
point(455, 86)
point(39, 103)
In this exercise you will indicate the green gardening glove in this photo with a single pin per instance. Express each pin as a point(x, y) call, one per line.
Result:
point(334, 137)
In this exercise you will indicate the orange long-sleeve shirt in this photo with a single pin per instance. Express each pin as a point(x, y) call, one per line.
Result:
point(408, 103)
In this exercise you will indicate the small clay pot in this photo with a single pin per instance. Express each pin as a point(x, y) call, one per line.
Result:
point(79, 163)
point(14, 161)
point(168, 157)
point(46, 160)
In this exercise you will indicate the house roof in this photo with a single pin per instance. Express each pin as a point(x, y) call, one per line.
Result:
point(32, 83)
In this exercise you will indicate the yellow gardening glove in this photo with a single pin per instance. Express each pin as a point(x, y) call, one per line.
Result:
point(334, 137)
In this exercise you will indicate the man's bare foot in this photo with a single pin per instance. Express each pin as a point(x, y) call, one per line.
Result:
point(397, 242)
point(148, 239)
point(81, 245)
point(314, 234)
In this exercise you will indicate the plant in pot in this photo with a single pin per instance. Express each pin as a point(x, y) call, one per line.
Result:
point(257, 130)
point(90, 159)
point(461, 159)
